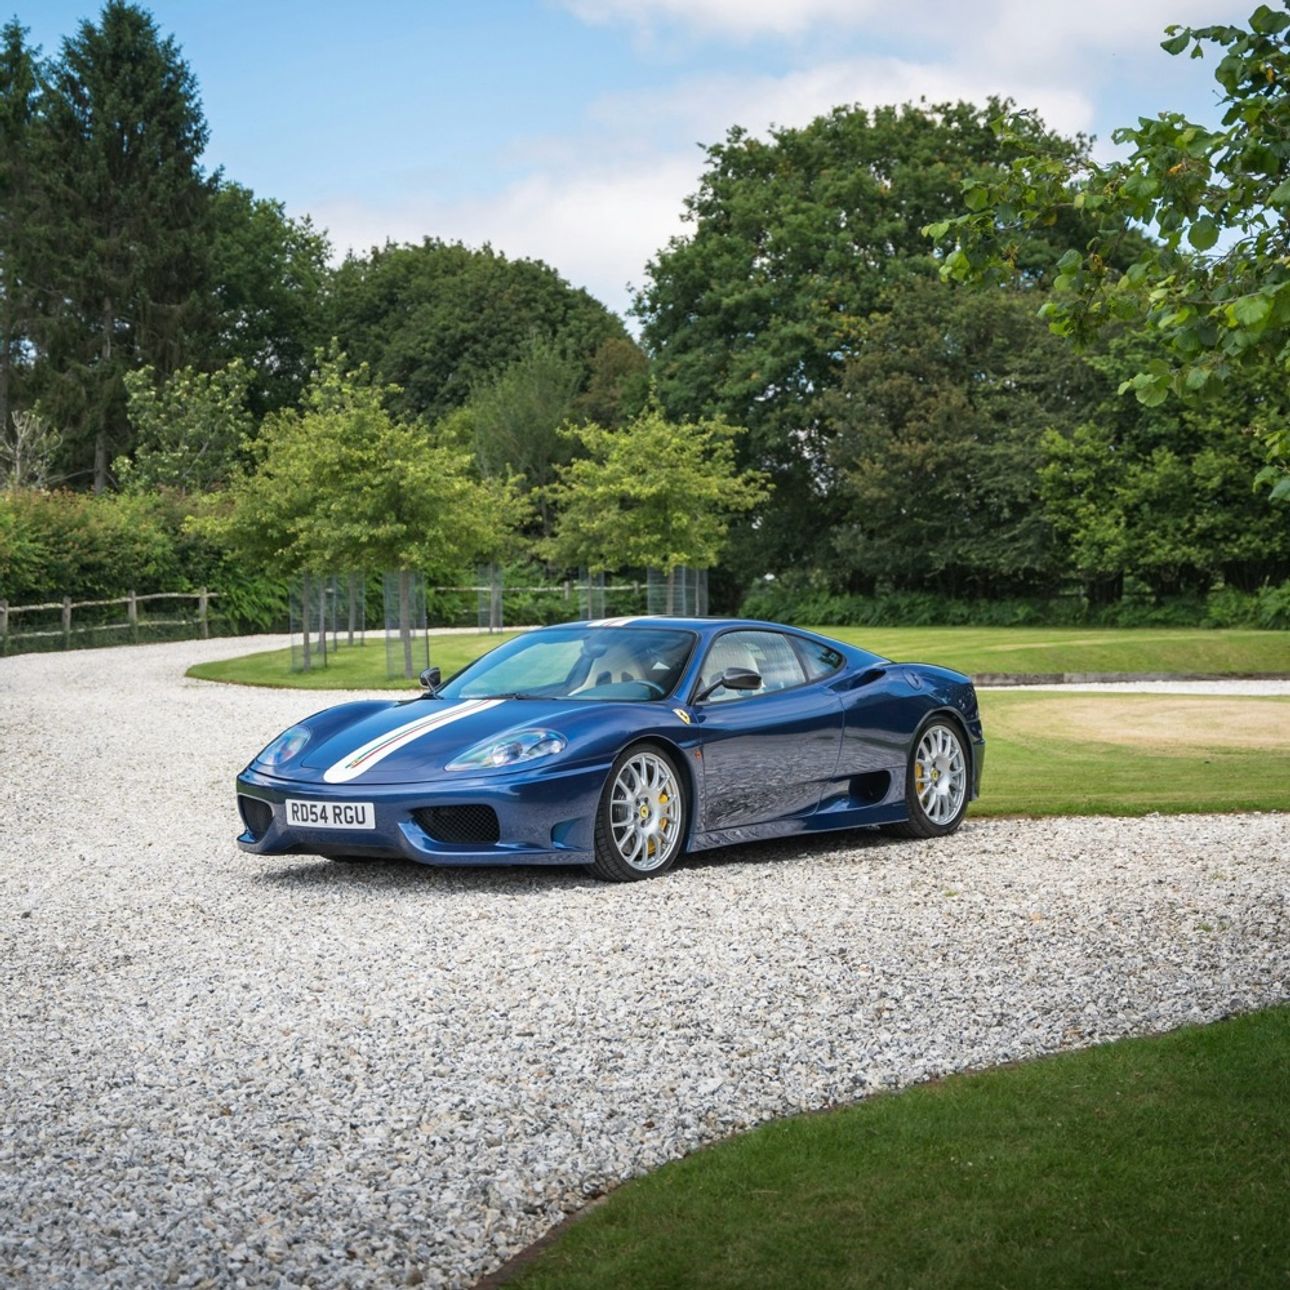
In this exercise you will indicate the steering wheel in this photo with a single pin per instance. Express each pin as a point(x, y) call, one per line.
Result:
point(659, 691)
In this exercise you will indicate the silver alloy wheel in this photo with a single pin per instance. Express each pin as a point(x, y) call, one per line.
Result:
point(940, 774)
point(645, 807)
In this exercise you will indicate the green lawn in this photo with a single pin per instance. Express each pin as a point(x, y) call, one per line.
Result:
point(1076, 649)
point(1047, 754)
point(970, 649)
point(1110, 754)
point(349, 667)
point(1148, 1162)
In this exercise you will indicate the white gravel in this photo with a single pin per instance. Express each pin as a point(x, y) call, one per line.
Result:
point(216, 1069)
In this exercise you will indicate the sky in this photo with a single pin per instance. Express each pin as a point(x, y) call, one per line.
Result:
point(571, 130)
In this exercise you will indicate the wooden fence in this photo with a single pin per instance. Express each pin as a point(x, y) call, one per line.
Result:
point(68, 606)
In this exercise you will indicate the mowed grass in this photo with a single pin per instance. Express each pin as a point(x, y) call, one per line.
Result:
point(1147, 1162)
point(351, 667)
point(1047, 754)
point(1029, 650)
point(1129, 754)
point(1012, 650)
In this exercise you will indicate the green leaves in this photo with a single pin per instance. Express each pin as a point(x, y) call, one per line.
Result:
point(1269, 22)
point(1203, 233)
point(1249, 311)
point(656, 493)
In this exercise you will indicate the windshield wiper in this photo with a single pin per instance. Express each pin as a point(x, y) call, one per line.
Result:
point(514, 694)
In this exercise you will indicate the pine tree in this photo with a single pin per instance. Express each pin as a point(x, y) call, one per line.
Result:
point(125, 278)
point(18, 86)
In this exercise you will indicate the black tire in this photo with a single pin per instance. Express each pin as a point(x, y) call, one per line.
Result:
point(919, 823)
point(669, 820)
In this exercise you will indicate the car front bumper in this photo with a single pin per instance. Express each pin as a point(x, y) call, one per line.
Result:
point(543, 818)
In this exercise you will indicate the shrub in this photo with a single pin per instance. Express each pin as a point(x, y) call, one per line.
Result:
point(1224, 607)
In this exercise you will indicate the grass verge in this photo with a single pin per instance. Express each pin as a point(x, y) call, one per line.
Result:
point(1027, 650)
point(1129, 754)
point(969, 649)
point(351, 667)
point(1047, 754)
point(1147, 1162)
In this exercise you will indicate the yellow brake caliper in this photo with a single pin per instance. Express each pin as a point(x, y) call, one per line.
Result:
point(920, 777)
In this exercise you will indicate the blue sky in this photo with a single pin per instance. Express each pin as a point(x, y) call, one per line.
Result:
point(567, 129)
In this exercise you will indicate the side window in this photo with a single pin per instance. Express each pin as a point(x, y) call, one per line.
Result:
point(768, 654)
point(820, 659)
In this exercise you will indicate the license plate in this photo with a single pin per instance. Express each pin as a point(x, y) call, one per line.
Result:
point(331, 815)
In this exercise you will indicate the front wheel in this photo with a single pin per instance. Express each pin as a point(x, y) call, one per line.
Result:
point(640, 822)
point(936, 783)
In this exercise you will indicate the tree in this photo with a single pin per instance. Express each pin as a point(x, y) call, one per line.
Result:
point(124, 262)
point(269, 273)
point(439, 319)
point(188, 428)
point(617, 387)
point(28, 447)
point(937, 430)
point(1162, 493)
point(516, 418)
point(656, 493)
point(340, 484)
point(1215, 286)
point(18, 93)
point(795, 240)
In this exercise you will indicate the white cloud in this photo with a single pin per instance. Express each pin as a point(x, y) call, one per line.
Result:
point(1002, 30)
point(597, 204)
point(728, 17)
point(705, 107)
point(596, 226)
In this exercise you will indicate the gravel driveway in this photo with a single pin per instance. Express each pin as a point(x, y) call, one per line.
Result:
point(286, 1071)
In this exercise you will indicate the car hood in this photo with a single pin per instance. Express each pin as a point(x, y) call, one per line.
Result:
point(409, 742)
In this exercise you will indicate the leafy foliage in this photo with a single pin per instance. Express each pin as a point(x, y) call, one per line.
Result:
point(28, 446)
point(1164, 492)
point(269, 274)
point(515, 419)
point(657, 494)
point(795, 241)
point(188, 428)
point(440, 319)
point(1219, 309)
point(340, 484)
point(18, 92)
point(937, 444)
point(123, 226)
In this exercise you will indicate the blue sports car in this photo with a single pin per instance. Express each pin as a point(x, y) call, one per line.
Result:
point(622, 744)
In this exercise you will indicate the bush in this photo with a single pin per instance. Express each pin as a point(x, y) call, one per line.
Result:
point(1224, 607)
point(56, 544)
point(1273, 607)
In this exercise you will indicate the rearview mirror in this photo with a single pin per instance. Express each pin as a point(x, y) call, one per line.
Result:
point(431, 679)
point(733, 678)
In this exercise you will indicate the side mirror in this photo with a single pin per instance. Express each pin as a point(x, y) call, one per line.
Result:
point(733, 678)
point(431, 679)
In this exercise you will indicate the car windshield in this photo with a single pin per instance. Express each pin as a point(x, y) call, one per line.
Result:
point(624, 664)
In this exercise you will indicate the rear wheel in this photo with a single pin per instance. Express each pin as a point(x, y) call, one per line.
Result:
point(936, 783)
point(640, 823)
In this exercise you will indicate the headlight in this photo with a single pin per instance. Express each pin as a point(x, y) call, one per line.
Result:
point(289, 744)
point(510, 750)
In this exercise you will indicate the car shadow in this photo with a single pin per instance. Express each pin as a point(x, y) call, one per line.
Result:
point(312, 872)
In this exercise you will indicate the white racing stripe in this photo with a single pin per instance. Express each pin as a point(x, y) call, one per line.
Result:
point(354, 764)
point(612, 622)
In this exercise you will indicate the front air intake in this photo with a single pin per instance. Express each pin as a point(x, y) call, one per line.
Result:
point(459, 824)
point(256, 815)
